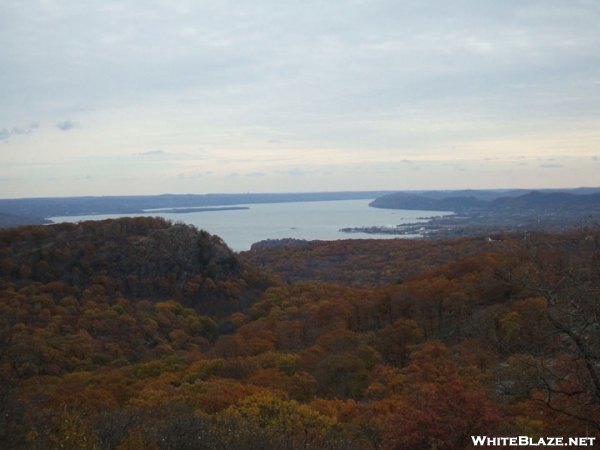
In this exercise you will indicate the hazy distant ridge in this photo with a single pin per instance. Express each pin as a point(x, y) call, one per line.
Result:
point(25, 211)
point(33, 210)
point(462, 201)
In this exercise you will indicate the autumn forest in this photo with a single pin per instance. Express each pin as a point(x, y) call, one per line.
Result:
point(141, 334)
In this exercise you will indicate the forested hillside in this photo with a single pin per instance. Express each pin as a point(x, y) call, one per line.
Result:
point(461, 201)
point(141, 334)
point(368, 262)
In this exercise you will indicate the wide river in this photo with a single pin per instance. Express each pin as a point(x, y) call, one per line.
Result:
point(300, 220)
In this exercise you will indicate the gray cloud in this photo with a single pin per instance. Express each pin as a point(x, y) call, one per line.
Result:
point(83, 178)
point(153, 153)
point(6, 133)
point(66, 125)
point(188, 175)
point(297, 172)
point(371, 55)
point(343, 80)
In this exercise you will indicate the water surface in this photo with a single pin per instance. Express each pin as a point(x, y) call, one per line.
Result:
point(299, 220)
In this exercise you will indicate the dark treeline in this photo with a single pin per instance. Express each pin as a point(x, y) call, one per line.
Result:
point(141, 334)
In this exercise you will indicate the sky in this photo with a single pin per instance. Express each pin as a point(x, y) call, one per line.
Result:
point(132, 97)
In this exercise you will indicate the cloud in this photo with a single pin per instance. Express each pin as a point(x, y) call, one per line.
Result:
point(152, 153)
point(296, 172)
point(550, 166)
point(85, 178)
point(256, 174)
point(5, 133)
point(317, 82)
point(66, 125)
point(182, 175)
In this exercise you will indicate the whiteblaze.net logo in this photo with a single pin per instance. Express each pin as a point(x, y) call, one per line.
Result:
point(527, 441)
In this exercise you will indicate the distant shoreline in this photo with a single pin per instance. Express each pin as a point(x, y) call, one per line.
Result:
point(191, 210)
point(499, 208)
point(28, 211)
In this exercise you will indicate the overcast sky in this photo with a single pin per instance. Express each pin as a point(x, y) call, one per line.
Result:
point(149, 97)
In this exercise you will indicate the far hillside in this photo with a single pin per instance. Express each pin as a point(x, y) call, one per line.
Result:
point(460, 201)
point(367, 262)
point(29, 211)
point(484, 212)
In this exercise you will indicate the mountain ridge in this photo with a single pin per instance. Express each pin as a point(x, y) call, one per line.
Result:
point(469, 201)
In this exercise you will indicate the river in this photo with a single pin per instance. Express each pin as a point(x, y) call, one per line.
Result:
point(299, 220)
